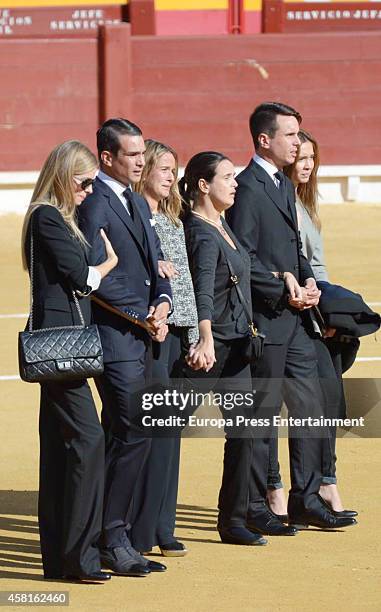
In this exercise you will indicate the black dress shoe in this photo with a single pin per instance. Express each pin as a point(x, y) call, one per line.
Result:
point(266, 522)
point(154, 566)
point(94, 577)
point(121, 562)
point(241, 535)
point(338, 513)
point(322, 518)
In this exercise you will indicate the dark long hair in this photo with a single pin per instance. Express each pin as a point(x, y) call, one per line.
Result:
point(308, 192)
point(201, 166)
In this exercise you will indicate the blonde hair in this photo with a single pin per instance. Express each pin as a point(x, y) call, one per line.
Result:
point(170, 206)
point(308, 192)
point(55, 185)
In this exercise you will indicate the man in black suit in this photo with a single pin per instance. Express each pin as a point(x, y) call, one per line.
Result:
point(134, 284)
point(283, 289)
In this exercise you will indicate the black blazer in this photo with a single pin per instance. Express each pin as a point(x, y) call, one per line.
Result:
point(60, 266)
point(216, 297)
point(268, 230)
point(134, 282)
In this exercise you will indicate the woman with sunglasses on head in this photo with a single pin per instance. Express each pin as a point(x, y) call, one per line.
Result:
point(71, 437)
point(219, 361)
point(156, 498)
point(303, 174)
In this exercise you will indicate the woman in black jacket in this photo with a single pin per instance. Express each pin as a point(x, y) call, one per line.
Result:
point(218, 360)
point(71, 437)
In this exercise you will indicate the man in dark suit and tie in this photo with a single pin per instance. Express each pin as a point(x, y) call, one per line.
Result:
point(136, 285)
point(283, 289)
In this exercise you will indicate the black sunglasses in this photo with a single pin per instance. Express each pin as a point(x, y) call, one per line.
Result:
point(85, 183)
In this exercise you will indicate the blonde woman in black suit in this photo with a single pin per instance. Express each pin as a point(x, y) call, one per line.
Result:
point(71, 437)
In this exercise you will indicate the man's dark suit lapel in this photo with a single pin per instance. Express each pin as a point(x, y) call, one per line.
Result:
point(272, 191)
point(120, 210)
point(148, 235)
point(292, 210)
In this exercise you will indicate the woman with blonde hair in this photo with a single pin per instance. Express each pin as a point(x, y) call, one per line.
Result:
point(155, 502)
point(71, 437)
point(158, 185)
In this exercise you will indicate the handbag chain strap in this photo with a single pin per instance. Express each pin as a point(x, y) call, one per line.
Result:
point(235, 280)
point(31, 301)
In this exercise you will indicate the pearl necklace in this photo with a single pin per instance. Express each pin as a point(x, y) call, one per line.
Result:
point(217, 224)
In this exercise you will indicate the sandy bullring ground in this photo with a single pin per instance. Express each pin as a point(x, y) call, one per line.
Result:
point(313, 571)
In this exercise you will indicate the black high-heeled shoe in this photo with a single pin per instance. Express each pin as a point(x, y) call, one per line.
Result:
point(338, 513)
point(283, 518)
point(173, 549)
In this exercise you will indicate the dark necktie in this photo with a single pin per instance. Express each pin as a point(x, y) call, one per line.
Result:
point(135, 217)
point(283, 190)
point(282, 184)
point(129, 202)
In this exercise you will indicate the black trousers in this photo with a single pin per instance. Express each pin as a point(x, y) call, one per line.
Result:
point(71, 479)
point(332, 388)
point(295, 362)
point(155, 498)
point(231, 374)
point(126, 447)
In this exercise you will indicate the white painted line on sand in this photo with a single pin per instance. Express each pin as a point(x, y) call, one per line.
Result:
point(359, 359)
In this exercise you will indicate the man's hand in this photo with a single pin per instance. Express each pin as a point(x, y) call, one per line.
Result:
point(157, 321)
point(161, 334)
point(167, 269)
point(304, 297)
point(310, 296)
point(293, 286)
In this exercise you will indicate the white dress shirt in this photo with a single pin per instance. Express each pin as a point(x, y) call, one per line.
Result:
point(267, 167)
point(117, 187)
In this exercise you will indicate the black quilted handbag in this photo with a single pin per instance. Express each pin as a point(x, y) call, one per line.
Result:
point(58, 353)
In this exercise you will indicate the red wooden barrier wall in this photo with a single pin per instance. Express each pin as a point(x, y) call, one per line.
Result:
point(49, 93)
point(194, 93)
point(197, 93)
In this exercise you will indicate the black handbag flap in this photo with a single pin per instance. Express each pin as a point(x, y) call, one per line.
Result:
point(60, 343)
